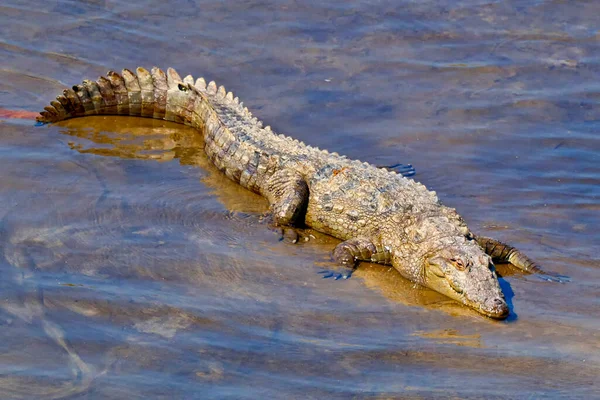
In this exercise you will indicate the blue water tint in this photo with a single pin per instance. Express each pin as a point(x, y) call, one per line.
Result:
point(165, 281)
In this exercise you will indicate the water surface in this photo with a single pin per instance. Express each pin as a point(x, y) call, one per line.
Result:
point(132, 269)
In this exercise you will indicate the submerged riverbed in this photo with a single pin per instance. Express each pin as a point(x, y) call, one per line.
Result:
point(132, 269)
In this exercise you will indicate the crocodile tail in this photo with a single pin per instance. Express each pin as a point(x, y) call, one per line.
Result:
point(501, 252)
point(141, 93)
point(219, 116)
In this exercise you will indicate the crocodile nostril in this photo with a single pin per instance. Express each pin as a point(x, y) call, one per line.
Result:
point(498, 307)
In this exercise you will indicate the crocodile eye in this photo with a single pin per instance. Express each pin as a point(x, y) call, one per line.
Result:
point(459, 264)
point(183, 88)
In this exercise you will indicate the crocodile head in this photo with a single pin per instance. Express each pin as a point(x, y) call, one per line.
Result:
point(466, 274)
point(440, 256)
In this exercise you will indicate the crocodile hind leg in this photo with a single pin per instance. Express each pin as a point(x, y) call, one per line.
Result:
point(501, 252)
point(348, 254)
point(287, 193)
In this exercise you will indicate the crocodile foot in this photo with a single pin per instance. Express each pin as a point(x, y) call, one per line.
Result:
point(336, 274)
point(550, 277)
point(406, 170)
point(288, 235)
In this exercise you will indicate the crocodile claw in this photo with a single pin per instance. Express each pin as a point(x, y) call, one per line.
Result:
point(288, 235)
point(552, 277)
point(406, 170)
point(335, 275)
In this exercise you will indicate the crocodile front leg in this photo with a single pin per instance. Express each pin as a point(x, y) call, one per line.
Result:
point(501, 252)
point(287, 193)
point(348, 254)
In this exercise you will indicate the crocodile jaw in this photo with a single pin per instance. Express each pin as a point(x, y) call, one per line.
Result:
point(483, 295)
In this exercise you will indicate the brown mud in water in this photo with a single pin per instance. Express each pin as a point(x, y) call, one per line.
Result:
point(130, 268)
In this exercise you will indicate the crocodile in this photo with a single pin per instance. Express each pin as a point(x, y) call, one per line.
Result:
point(380, 215)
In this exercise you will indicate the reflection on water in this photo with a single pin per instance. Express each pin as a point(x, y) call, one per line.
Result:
point(132, 269)
point(452, 336)
point(149, 139)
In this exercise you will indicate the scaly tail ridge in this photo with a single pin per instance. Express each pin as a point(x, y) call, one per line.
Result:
point(230, 131)
point(134, 93)
point(155, 94)
point(159, 80)
point(144, 78)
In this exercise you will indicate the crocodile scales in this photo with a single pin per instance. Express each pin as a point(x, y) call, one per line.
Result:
point(380, 215)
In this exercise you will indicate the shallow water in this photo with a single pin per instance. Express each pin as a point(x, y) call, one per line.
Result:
point(132, 269)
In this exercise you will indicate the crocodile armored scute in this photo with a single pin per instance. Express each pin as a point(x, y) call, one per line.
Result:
point(381, 216)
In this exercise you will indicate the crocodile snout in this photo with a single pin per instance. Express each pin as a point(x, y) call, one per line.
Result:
point(497, 308)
